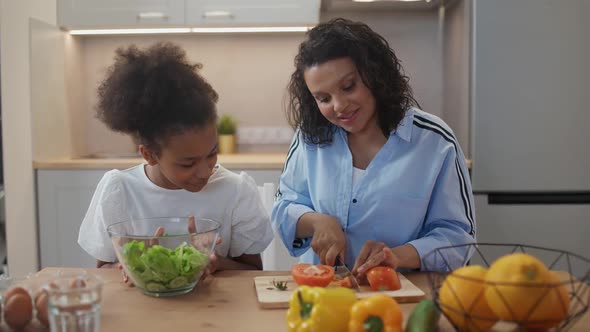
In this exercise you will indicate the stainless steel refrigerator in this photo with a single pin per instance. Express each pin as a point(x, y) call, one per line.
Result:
point(530, 99)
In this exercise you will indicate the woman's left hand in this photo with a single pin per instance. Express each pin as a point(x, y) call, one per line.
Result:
point(374, 254)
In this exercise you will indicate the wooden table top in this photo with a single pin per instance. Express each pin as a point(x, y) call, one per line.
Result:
point(263, 161)
point(238, 161)
point(224, 302)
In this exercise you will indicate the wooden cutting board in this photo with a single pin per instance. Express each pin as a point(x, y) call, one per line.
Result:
point(271, 298)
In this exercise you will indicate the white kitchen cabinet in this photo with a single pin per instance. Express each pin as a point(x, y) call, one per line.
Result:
point(74, 14)
point(63, 196)
point(252, 12)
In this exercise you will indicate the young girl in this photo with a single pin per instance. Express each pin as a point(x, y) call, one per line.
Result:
point(369, 177)
point(159, 98)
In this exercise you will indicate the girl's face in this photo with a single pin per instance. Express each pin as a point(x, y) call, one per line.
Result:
point(341, 95)
point(186, 161)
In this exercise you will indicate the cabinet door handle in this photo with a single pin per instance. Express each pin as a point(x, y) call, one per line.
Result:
point(218, 14)
point(582, 197)
point(152, 16)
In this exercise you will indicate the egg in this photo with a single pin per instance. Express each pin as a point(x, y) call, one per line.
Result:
point(18, 311)
point(77, 283)
point(15, 290)
point(41, 306)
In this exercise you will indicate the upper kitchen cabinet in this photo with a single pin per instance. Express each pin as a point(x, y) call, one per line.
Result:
point(74, 14)
point(84, 14)
point(253, 12)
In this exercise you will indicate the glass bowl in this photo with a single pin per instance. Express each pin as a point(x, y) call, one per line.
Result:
point(471, 303)
point(164, 256)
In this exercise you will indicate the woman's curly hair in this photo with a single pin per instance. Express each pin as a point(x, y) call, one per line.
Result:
point(155, 93)
point(379, 67)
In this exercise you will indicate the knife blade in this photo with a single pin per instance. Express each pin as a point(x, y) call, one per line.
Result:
point(341, 271)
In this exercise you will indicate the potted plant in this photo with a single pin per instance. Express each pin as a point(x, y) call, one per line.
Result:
point(226, 129)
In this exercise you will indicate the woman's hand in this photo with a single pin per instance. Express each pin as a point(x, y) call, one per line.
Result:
point(378, 254)
point(374, 254)
point(328, 240)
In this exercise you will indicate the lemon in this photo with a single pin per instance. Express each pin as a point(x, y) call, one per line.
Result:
point(462, 299)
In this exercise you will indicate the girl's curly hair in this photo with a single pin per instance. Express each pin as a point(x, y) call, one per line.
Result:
point(379, 67)
point(154, 93)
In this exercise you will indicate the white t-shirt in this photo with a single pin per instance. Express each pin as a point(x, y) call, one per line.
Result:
point(357, 176)
point(229, 198)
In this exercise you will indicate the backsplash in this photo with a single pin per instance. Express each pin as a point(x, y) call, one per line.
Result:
point(249, 72)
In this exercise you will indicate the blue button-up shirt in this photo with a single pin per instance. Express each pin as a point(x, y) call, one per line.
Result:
point(416, 190)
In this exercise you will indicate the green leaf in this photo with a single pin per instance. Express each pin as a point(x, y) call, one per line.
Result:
point(159, 267)
point(177, 282)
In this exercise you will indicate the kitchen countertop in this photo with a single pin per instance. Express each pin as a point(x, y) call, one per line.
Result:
point(270, 161)
point(225, 302)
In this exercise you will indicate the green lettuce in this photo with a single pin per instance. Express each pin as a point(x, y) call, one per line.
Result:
point(158, 268)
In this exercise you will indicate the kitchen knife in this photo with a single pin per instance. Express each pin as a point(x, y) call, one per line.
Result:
point(342, 272)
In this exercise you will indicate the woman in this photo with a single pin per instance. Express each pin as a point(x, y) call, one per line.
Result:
point(369, 177)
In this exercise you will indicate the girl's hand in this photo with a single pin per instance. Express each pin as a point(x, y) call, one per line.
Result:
point(211, 267)
point(119, 267)
point(159, 232)
point(213, 262)
point(374, 254)
point(328, 240)
point(192, 227)
point(126, 279)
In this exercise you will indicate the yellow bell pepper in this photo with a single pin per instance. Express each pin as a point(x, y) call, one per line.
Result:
point(318, 309)
point(377, 313)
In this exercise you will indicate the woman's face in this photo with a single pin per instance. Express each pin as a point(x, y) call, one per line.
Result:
point(341, 95)
point(186, 160)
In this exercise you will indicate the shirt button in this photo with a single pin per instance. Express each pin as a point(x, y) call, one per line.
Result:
point(354, 200)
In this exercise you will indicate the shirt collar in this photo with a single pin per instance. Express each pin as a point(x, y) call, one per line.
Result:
point(404, 129)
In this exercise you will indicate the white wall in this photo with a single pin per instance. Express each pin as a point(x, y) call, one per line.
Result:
point(249, 72)
point(52, 129)
point(21, 231)
point(75, 92)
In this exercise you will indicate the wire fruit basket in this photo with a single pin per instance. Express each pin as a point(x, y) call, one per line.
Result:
point(472, 300)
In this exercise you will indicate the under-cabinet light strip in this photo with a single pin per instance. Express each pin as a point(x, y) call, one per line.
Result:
point(188, 30)
point(389, 0)
point(250, 29)
point(127, 31)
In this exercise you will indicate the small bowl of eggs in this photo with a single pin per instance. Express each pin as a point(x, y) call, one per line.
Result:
point(21, 303)
point(25, 301)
